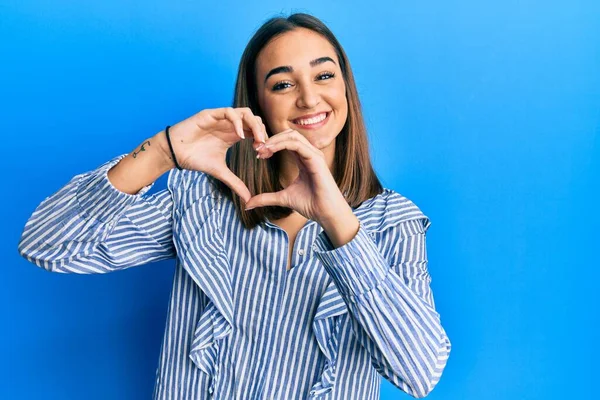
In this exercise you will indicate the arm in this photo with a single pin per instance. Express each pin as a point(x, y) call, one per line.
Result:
point(390, 303)
point(91, 226)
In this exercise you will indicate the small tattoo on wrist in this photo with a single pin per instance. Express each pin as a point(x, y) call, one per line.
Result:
point(135, 153)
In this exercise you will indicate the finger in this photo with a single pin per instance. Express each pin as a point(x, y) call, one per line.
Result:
point(274, 139)
point(282, 133)
point(288, 134)
point(264, 129)
point(291, 136)
point(234, 183)
point(257, 145)
point(255, 126)
point(234, 117)
point(305, 151)
point(278, 136)
point(267, 199)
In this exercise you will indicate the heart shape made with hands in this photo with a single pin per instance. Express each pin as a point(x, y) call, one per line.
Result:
point(312, 193)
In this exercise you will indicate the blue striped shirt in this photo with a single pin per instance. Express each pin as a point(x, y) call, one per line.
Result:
point(240, 325)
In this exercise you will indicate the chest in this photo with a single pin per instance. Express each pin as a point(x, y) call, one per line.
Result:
point(291, 225)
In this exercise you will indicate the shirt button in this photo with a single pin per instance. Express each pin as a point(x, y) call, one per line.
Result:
point(301, 252)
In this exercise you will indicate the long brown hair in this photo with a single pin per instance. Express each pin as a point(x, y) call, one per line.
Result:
point(352, 169)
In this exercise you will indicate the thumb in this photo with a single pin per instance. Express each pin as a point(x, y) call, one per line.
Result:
point(267, 199)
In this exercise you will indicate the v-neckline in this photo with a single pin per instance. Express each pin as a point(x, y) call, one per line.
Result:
point(291, 247)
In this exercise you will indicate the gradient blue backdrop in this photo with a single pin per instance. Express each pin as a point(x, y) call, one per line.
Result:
point(485, 115)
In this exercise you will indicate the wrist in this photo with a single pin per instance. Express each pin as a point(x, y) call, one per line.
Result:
point(342, 227)
point(337, 207)
point(328, 219)
point(164, 150)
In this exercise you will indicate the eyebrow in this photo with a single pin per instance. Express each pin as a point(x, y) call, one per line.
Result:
point(288, 68)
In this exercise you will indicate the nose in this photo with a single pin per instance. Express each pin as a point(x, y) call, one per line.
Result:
point(308, 96)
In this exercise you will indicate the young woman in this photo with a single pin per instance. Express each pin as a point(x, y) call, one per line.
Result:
point(297, 274)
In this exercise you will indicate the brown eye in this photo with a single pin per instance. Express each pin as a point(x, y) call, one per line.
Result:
point(282, 85)
point(278, 86)
point(325, 74)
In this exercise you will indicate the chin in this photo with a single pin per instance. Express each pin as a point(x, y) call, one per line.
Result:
point(321, 142)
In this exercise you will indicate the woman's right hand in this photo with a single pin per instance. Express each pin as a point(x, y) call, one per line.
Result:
point(200, 142)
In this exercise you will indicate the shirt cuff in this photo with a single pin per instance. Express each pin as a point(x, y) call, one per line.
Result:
point(97, 198)
point(356, 267)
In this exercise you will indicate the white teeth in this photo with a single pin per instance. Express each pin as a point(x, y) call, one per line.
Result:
point(311, 121)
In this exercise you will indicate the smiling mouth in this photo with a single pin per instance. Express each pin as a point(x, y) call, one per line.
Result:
point(314, 122)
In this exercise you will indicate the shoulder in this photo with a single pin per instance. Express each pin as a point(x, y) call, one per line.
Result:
point(391, 209)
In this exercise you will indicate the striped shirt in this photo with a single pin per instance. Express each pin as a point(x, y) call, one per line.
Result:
point(240, 325)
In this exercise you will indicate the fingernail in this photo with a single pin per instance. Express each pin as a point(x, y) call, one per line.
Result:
point(259, 147)
point(258, 155)
point(249, 208)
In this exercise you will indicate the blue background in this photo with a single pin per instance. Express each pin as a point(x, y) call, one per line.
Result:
point(485, 114)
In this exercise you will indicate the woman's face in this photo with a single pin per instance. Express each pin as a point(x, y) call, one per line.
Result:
point(299, 83)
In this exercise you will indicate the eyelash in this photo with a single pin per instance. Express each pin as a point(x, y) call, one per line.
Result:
point(331, 74)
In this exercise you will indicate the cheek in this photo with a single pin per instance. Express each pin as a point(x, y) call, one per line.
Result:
point(276, 114)
point(338, 96)
point(268, 112)
point(342, 105)
point(275, 109)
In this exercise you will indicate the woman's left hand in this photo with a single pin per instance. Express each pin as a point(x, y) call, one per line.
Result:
point(314, 193)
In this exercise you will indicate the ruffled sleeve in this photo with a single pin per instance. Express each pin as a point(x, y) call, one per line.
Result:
point(381, 276)
point(198, 238)
point(326, 328)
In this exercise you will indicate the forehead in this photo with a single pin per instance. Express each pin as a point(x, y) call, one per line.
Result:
point(296, 48)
